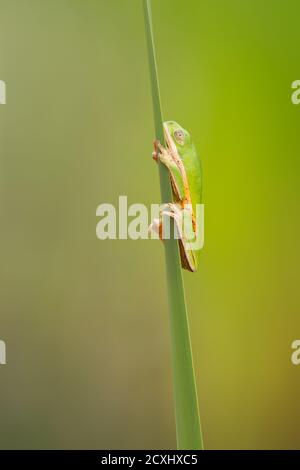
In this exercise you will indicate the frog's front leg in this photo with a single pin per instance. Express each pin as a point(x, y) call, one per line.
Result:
point(165, 156)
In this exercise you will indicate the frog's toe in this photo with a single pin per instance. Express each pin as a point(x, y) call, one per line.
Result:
point(155, 228)
point(155, 156)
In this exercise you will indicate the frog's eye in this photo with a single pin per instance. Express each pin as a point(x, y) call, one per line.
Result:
point(179, 136)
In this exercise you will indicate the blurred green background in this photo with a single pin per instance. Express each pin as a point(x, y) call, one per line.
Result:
point(86, 321)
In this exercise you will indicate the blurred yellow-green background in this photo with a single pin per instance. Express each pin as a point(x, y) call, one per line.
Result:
point(85, 321)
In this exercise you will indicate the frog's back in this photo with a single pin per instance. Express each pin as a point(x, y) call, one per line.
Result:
point(193, 170)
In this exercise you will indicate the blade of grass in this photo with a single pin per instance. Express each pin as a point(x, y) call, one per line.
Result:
point(188, 429)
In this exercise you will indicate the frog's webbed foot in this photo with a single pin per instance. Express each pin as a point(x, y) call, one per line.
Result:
point(155, 152)
point(162, 154)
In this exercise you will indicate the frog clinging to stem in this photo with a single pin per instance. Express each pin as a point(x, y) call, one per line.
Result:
point(182, 161)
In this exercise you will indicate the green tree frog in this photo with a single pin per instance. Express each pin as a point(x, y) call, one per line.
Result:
point(182, 161)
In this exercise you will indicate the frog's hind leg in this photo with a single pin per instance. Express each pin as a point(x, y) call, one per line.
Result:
point(188, 260)
point(156, 225)
point(170, 210)
point(177, 213)
point(183, 219)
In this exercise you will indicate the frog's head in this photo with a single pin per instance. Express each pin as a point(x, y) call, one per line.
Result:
point(176, 135)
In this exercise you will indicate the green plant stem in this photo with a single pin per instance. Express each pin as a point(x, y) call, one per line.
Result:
point(188, 429)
